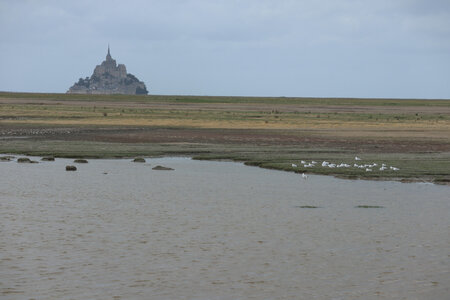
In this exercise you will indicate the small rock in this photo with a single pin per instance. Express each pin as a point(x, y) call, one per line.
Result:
point(4, 158)
point(23, 160)
point(80, 161)
point(48, 158)
point(369, 206)
point(139, 160)
point(71, 168)
point(161, 168)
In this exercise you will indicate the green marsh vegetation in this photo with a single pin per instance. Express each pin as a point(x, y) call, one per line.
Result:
point(274, 133)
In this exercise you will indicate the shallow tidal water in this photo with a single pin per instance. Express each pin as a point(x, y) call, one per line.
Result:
point(216, 230)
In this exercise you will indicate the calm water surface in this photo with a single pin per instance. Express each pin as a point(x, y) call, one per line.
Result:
point(216, 230)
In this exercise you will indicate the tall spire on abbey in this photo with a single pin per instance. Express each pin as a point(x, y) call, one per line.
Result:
point(108, 56)
point(109, 78)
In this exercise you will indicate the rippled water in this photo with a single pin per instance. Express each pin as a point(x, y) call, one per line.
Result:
point(216, 230)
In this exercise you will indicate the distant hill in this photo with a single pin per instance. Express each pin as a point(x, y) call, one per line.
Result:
point(109, 78)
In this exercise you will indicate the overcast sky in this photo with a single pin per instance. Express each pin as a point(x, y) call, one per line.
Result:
point(304, 48)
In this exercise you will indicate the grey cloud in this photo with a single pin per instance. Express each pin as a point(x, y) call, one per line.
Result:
point(283, 47)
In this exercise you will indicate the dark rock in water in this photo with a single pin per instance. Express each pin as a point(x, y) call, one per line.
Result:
point(161, 168)
point(48, 159)
point(139, 160)
point(23, 160)
point(71, 168)
point(80, 161)
point(369, 206)
point(34, 162)
point(5, 158)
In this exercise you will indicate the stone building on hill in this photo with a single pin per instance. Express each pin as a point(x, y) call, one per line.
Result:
point(109, 78)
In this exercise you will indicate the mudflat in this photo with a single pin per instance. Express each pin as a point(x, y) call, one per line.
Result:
point(410, 135)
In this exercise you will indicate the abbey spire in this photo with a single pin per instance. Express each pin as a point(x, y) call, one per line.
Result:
point(108, 56)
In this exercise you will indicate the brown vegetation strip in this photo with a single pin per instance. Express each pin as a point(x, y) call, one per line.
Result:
point(251, 137)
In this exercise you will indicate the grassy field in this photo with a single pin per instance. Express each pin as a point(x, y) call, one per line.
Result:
point(224, 99)
point(412, 135)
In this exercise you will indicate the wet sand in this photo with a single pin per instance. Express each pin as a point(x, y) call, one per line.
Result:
point(216, 230)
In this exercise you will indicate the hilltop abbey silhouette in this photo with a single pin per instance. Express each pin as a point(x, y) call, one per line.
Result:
point(109, 78)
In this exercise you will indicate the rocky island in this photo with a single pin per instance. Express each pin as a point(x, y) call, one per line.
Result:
point(109, 78)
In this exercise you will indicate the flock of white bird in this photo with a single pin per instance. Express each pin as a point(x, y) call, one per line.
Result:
point(326, 164)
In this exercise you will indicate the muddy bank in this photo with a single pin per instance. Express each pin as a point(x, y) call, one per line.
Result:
point(304, 139)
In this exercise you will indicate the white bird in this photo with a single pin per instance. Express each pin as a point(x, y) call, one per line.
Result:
point(332, 166)
point(357, 158)
point(342, 165)
point(294, 165)
point(314, 162)
point(368, 170)
point(304, 176)
point(383, 168)
point(325, 163)
point(395, 169)
point(303, 162)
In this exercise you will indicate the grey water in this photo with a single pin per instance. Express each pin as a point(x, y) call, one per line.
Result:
point(115, 229)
